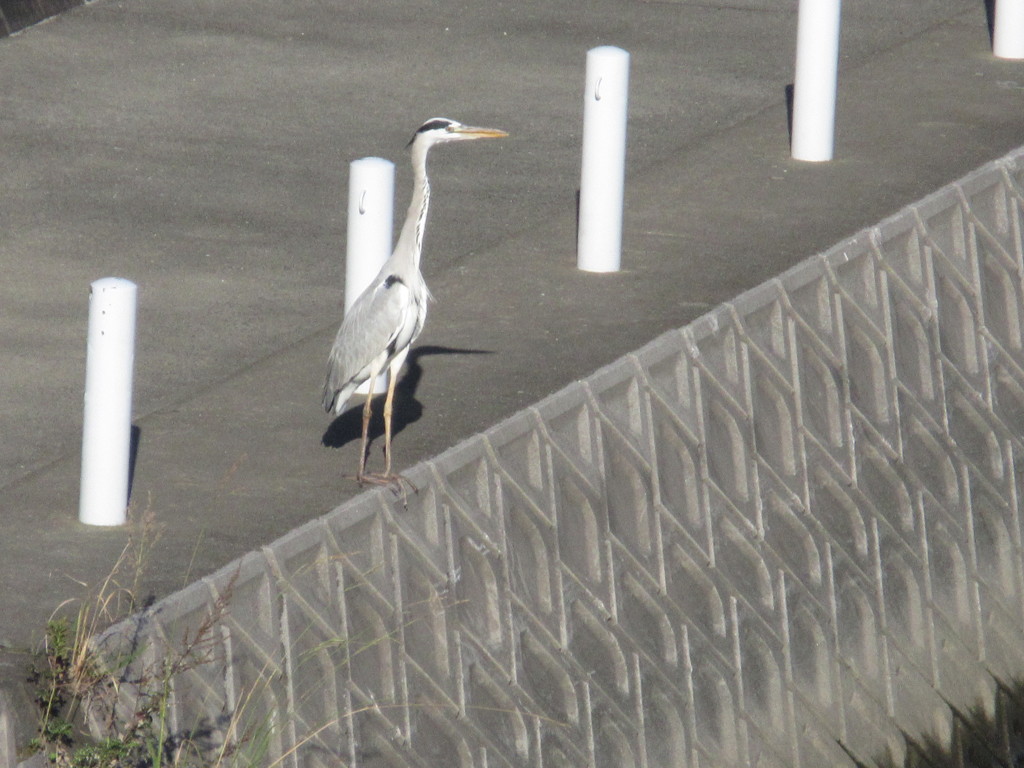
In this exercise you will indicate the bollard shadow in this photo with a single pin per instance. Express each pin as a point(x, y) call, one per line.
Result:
point(348, 427)
point(789, 113)
point(576, 235)
point(990, 19)
point(133, 453)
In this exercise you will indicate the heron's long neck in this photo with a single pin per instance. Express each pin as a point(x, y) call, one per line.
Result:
point(410, 241)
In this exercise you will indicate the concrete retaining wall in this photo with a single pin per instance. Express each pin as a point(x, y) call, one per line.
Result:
point(16, 15)
point(788, 534)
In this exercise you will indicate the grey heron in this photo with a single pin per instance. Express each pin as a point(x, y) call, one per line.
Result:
point(388, 315)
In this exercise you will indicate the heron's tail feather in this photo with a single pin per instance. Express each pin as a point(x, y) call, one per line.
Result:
point(336, 395)
point(333, 392)
point(330, 395)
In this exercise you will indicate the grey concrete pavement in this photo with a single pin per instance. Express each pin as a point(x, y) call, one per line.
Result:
point(201, 150)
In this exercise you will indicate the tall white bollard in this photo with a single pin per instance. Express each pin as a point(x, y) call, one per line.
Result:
point(603, 171)
point(814, 82)
point(371, 194)
point(1008, 29)
point(107, 425)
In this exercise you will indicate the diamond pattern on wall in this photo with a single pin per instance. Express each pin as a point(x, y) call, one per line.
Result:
point(788, 534)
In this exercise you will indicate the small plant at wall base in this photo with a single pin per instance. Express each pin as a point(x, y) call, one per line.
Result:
point(67, 677)
point(126, 699)
point(71, 679)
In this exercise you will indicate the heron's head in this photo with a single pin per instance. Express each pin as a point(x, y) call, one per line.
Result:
point(438, 130)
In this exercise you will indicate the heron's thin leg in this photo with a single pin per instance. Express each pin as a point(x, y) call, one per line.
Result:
point(366, 430)
point(392, 378)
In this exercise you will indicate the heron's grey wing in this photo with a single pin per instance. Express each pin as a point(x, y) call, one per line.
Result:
point(365, 339)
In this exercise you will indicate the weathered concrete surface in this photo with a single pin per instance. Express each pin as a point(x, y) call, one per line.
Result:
point(201, 150)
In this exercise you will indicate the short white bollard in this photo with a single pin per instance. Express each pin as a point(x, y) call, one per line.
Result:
point(814, 82)
point(1008, 29)
point(107, 424)
point(603, 171)
point(371, 195)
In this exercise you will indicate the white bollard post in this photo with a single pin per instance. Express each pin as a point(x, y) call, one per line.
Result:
point(603, 170)
point(1008, 29)
point(814, 82)
point(107, 424)
point(371, 194)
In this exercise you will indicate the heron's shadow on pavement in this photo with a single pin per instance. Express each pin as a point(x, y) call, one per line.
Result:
point(406, 409)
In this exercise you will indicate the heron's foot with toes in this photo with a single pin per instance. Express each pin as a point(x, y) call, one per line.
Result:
point(374, 478)
point(395, 482)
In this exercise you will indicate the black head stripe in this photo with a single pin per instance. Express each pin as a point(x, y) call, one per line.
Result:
point(434, 124)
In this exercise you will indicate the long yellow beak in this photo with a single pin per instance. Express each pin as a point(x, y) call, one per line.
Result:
point(470, 131)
